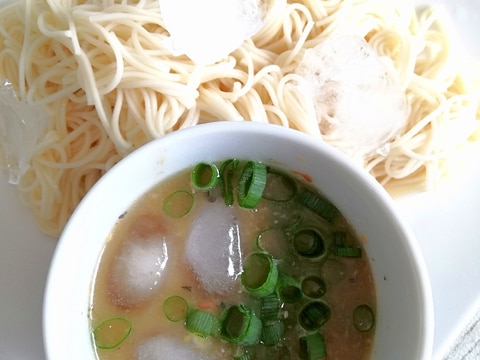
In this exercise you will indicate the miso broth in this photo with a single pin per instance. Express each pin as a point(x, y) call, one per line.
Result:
point(250, 271)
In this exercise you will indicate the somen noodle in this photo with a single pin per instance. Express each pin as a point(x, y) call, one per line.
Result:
point(109, 83)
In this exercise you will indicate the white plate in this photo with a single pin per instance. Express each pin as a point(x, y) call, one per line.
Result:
point(446, 224)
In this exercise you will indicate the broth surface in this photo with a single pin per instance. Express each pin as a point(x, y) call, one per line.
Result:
point(148, 248)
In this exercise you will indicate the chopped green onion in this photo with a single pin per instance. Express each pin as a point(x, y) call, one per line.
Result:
point(314, 287)
point(319, 205)
point(272, 332)
point(226, 173)
point(111, 333)
point(178, 203)
point(288, 289)
point(175, 308)
point(346, 251)
point(270, 306)
point(251, 184)
point(273, 241)
point(205, 176)
point(244, 356)
point(260, 274)
point(313, 347)
point(280, 187)
point(314, 315)
point(241, 326)
point(363, 318)
point(202, 323)
point(308, 243)
point(340, 247)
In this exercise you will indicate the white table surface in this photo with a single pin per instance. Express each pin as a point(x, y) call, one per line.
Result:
point(446, 223)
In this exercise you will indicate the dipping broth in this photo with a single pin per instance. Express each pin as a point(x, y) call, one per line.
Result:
point(211, 265)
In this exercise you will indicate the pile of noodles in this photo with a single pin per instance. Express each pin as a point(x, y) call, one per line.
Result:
point(109, 84)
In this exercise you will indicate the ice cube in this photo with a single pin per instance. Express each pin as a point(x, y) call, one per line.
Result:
point(359, 100)
point(210, 29)
point(138, 270)
point(213, 249)
point(163, 347)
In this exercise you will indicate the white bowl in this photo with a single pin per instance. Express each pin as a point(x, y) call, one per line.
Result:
point(404, 327)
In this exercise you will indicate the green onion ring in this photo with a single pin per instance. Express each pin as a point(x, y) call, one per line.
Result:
point(270, 306)
point(288, 289)
point(202, 323)
point(240, 326)
point(111, 333)
point(272, 332)
point(309, 243)
point(319, 205)
point(251, 184)
point(313, 347)
point(260, 274)
point(178, 203)
point(200, 171)
point(313, 286)
point(175, 308)
point(314, 315)
point(226, 173)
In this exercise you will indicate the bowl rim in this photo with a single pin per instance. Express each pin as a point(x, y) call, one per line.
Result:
point(412, 244)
